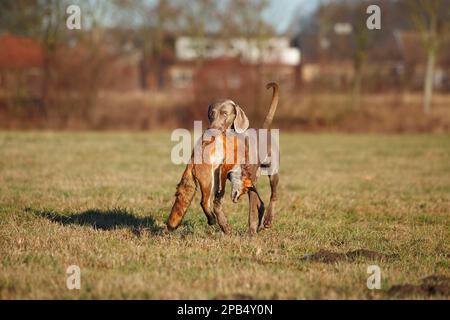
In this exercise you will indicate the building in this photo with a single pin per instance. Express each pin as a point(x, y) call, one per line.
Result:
point(274, 55)
point(21, 60)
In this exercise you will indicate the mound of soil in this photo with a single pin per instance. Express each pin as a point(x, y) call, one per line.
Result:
point(429, 286)
point(234, 296)
point(326, 256)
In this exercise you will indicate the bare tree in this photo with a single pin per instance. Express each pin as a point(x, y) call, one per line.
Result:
point(432, 19)
point(361, 41)
point(197, 19)
point(41, 20)
point(244, 18)
point(152, 21)
point(21, 17)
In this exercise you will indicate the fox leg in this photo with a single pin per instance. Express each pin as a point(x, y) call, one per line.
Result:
point(218, 199)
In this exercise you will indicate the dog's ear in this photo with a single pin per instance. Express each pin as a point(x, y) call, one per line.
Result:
point(241, 122)
point(209, 114)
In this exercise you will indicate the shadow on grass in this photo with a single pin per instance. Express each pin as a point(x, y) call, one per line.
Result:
point(102, 219)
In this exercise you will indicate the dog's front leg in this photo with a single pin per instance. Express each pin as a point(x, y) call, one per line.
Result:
point(253, 214)
point(218, 199)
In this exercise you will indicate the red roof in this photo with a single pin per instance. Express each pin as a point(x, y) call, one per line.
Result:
point(19, 52)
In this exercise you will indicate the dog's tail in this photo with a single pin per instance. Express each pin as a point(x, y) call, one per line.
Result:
point(183, 197)
point(273, 104)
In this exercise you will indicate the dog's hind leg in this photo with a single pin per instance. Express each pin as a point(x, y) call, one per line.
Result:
point(268, 220)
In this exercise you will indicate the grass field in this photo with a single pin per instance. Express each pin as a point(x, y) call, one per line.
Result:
point(100, 200)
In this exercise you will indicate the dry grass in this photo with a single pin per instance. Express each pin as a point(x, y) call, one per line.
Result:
point(306, 111)
point(99, 200)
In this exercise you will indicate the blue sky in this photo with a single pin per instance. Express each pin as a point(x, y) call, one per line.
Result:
point(281, 12)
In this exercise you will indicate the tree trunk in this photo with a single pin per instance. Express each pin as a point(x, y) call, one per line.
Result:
point(429, 79)
point(143, 72)
point(356, 96)
point(46, 84)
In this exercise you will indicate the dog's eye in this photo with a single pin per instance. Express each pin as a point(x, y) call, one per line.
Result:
point(224, 113)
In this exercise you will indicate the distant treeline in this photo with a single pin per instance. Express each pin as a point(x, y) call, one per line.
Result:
point(113, 73)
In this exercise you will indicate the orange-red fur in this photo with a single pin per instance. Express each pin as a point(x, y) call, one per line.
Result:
point(212, 180)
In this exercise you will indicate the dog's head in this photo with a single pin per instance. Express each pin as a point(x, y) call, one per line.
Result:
point(226, 114)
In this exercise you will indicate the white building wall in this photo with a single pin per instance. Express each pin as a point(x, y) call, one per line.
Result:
point(274, 50)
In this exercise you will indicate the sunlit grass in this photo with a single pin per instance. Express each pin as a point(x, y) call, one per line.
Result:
point(100, 200)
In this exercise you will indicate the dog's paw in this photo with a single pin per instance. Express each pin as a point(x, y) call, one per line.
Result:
point(268, 222)
point(211, 220)
point(226, 230)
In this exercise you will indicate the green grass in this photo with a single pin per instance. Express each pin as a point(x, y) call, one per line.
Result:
point(100, 200)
